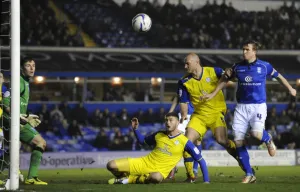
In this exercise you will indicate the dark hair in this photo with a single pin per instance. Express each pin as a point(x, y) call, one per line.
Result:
point(25, 60)
point(172, 114)
point(256, 45)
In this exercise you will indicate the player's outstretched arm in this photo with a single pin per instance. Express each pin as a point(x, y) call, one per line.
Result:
point(285, 83)
point(183, 111)
point(222, 83)
point(175, 101)
point(138, 135)
point(150, 140)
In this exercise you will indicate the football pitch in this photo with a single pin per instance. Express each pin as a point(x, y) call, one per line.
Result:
point(223, 179)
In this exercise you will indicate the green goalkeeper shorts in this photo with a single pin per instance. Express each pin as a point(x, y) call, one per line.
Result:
point(27, 133)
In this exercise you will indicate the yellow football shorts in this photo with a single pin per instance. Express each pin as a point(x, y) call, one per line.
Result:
point(201, 123)
point(139, 166)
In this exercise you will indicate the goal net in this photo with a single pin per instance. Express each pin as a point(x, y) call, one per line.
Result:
point(10, 42)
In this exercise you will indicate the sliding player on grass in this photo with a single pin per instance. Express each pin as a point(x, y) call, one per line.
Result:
point(168, 149)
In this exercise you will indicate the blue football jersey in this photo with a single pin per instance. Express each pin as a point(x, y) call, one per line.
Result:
point(252, 80)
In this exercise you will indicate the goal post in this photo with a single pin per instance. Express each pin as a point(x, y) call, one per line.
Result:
point(15, 96)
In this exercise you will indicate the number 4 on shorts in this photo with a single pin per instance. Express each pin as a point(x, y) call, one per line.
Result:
point(259, 116)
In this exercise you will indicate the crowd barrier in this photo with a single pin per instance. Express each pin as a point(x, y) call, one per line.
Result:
point(214, 158)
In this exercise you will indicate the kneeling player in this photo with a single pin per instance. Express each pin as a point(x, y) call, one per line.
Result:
point(155, 167)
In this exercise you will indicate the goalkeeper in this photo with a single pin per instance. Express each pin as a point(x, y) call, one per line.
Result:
point(28, 134)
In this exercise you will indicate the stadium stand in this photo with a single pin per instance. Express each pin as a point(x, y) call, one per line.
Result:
point(109, 128)
point(39, 26)
point(173, 25)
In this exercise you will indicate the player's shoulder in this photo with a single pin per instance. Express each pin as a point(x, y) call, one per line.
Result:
point(239, 63)
point(262, 62)
point(212, 69)
point(185, 78)
point(208, 68)
point(161, 133)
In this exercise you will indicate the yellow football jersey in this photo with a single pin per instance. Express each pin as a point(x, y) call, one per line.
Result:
point(167, 153)
point(191, 89)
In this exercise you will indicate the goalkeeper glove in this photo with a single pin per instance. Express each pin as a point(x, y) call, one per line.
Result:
point(32, 119)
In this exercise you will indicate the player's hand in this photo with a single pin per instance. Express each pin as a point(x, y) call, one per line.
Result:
point(293, 92)
point(134, 123)
point(32, 119)
point(228, 73)
point(183, 118)
point(207, 97)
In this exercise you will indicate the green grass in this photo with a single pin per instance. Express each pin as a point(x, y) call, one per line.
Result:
point(223, 179)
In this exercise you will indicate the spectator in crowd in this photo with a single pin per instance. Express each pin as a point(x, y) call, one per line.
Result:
point(114, 120)
point(74, 129)
point(56, 114)
point(80, 114)
point(101, 140)
point(124, 119)
point(66, 110)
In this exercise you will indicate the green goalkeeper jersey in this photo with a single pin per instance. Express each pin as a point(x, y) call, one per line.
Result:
point(24, 96)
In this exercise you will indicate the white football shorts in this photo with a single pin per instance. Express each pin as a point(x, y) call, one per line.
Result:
point(248, 115)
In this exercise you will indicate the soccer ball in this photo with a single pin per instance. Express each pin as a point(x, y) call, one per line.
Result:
point(141, 22)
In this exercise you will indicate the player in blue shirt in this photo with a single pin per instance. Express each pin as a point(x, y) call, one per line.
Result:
point(251, 110)
point(182, 127)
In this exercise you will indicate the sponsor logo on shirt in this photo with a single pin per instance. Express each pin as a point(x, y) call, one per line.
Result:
point(248, 79)
point(165, 150)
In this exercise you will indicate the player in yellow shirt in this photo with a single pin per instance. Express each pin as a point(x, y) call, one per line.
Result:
point(168, 149)
point(207, 114)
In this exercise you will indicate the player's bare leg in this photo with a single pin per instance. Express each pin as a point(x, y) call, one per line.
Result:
point(267, 139)
point(222, 138)
point(119, 168)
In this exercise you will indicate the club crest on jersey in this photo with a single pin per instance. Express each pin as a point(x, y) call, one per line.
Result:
point(207, 79)
point(176, 142)
point(258, 69)
point(248, 79)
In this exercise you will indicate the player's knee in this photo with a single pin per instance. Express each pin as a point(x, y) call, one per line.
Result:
point(111, 165)
point(156, 177)
point(191, 134)
point(256, 134)
point(44, 144)
point(41, 143)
